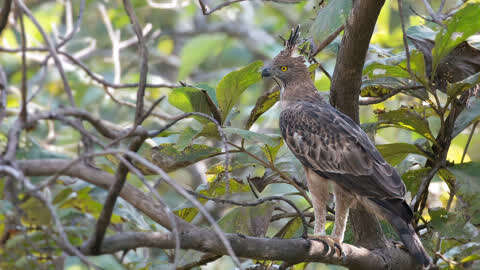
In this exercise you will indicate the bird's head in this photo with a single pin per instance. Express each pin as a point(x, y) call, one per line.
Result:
point(286, 67)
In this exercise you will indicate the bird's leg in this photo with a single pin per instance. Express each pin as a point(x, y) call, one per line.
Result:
point(318, 187)
point(343, 201)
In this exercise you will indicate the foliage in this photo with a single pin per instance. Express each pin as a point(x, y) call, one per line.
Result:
point(218, 59)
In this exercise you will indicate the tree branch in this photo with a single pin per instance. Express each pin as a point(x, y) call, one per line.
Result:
point(290, 250)
point(344, 93)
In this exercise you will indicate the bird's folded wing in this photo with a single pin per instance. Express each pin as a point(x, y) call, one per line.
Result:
point(335, 147)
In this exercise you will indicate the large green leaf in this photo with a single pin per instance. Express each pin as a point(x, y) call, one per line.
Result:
point(468, 187)
point(378, 70)
point(459, 27)
point(186, 137)
point(190, 99)
point(467, 116)
point(197, 50)
point(264, 103)
point(394, 153)
point(233, 84)
point(251, 221)
point(169, 158)
point(253, 136)
point(329, 18)
point(408, 119)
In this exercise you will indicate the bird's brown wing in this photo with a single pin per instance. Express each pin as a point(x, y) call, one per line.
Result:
point(335, 147)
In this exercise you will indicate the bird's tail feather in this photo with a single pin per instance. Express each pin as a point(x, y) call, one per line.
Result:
point(399, 214)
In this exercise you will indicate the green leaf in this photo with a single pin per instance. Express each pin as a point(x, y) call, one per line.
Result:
point(190, 99)
point(459, 27)
point(293, 229)
point(264, 103)
point(329, 18)
point(413, 179)
point(417, 66)
point(253, 136)
point(470, 114)
point(457, 88)
point(196, 51)
point(311, 69)
point(35, 212)
point(186, 137)
point(251, 221)
point(405, 118)
point(377, 70)
point(271, 151)
point(394, 153)
point(62, 195)
point(169, 158)
point(468, 187)
point(233, 84)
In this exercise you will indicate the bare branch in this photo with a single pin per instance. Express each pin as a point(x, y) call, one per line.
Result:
point(327, 41)
point(206, 11)
point(23, 110)
point(144, 61)
point(51, 49)
point(7, 5)
point(290, 250)
point(405, 42)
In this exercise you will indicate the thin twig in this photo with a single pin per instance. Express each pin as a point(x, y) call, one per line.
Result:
point(23, 110)
point(75, 28)
point(327, 41)
point(115, 40)
point(206, 11)
point(204, 260)
point(3, 94)
point(143, 51)
point(51, 49)
point(468, 141)
point(405, 42)
point(424, 185)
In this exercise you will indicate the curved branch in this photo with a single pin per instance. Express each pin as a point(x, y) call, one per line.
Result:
point(290, 250)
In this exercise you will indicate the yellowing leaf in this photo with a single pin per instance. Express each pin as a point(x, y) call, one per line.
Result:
point(165, 46)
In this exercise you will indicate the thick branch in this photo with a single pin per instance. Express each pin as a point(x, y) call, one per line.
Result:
point(153, 209)
point(345, 90)
point(290, 250)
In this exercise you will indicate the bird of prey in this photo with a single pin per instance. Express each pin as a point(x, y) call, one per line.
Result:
point(334, 149)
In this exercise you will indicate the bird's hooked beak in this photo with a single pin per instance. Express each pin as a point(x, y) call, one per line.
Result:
point(266, 72)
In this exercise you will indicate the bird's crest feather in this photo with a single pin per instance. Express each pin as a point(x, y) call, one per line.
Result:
point(291, 43)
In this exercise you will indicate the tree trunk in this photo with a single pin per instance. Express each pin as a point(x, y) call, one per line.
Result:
point(344, 93)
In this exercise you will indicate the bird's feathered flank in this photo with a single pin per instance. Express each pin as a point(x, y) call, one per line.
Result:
point(331, 144)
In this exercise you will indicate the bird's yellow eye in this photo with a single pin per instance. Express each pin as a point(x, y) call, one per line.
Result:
point(283, 68)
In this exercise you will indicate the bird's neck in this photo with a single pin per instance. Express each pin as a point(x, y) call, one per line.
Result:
point(299, 91)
